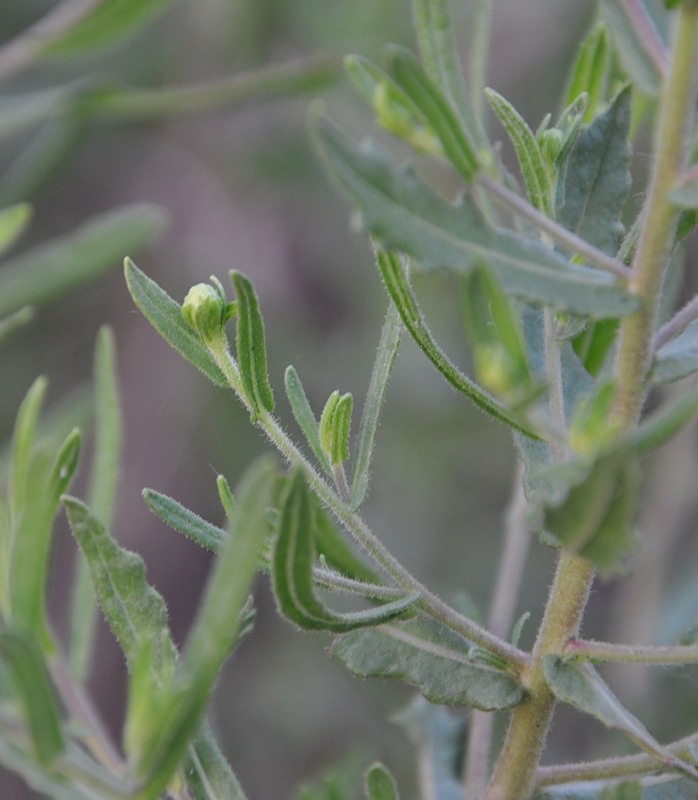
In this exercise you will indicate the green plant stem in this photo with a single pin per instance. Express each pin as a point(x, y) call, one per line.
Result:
point(514, 776)
point(355, 525)
point(302, 74)
point(635, 765)
point(499, 620)
point(603, 652)
point(557, 233)
point(676, 115)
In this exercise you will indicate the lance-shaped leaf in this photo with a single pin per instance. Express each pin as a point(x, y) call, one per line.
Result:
point(335, 423)
point(640, 46)
point(403, 213)
point(292, 566)
point(380, 784)
point(590, 71)
point(678, 358)
point(23, 438)
point(437, 110)
point(251, 346)
point(133, 609)
point(207, 773)
point(665, 422)
point(382, 367)
point(165, 315)
point(31, 680)
point(108, 21)
point(534, 170)
point(104, 478)
point(215, 633)
point(304, 416)
point(397, 283)
point(591, 196)
point(13, 221)
point(595, 515)
point(43, 273)
point(424, 653)
point(181, 519)
point(581, 686)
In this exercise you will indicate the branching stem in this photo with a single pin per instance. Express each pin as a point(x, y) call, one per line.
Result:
point(603, 652)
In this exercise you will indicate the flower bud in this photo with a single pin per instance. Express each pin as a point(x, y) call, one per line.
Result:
point(204, 308)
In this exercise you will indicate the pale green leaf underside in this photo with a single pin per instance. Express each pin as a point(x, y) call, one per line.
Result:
point(165, 315)
point(423, 653)
point(403, 213)
point(581, 686)
point(678, 358)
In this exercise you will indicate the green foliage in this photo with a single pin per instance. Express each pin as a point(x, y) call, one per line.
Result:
point(562, 313)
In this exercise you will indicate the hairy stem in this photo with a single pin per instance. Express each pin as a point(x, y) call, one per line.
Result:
point(604, 652)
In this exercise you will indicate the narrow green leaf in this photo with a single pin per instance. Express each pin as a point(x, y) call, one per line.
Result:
point(133, 609)
point(664, 423)
point(251, 346)
point(226, 497)
point(165, 315)
point(337, 552)
point(104, 477)
point(28, 669)
point(437, 110)
point(534, 170)
point(425, 654)
point(678, 358)
point(581, 686)
point(208, 774)
point(591, 197)
point(13, 222)
point(214, 634)
point(403, 213)
point(335, 423)
point(106, 23)
point(590, 72)
point(184, 521)
point(59, 266)
point(382, 367)
point(397, 283)
point(595, 516)
point(380, 784)
point(15, 321)
point(438, 48)
point(304, 416)
point(639, 53)
point(292, 570)
point(23, 442)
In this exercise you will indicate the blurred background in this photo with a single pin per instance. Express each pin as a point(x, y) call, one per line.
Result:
point(242, 189)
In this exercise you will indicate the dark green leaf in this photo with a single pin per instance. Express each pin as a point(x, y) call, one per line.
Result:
point(380, 784)
point(591, 195)
point(215, 633)
point(107, 22)
point(428, 655)
point(133, 609)
point(639, 45)
point(165, 315)
point(534, 170)
point(678, 358)
point(293, 565)
point(437, 110)
point(337, 553)
point(403, 213)
point(596, 514)
point(208, 774)
point(382, 366)
point(59, 266)
point(304, 416)
point(335, 423)
point(581, 686)
point(251, 347)
point(397, 283)
point(184, 521)
point(33, 685)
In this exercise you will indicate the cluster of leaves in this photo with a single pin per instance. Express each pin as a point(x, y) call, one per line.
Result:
point(546, 278)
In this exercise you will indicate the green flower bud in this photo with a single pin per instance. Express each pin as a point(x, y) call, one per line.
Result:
point(551, 143)
point(206, 310)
